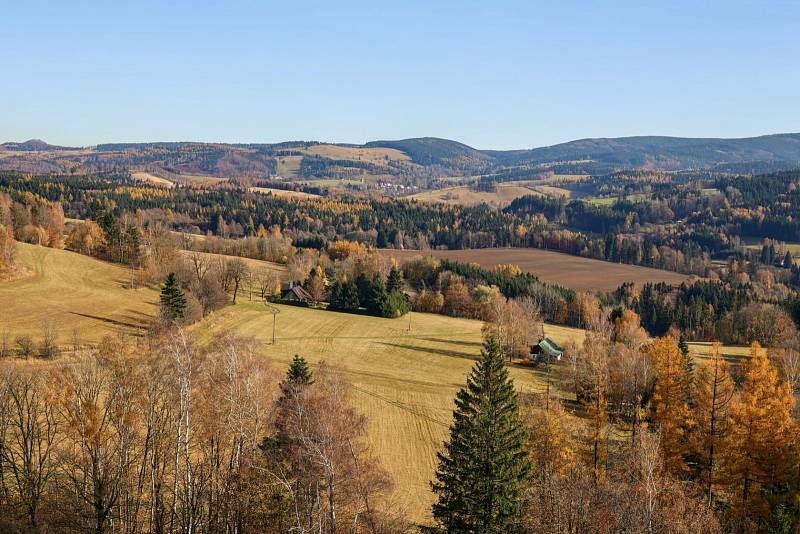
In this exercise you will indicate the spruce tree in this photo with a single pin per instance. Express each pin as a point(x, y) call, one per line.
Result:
point(394, 283)
point(481, 476)
point(378, 297)
point(788, 261)
point(335, 298)
point(349, 299)
point(173, 301)
point(299, 372)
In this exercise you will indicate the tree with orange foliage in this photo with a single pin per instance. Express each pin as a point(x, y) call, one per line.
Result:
point(669, 409)
point(628, 329)
point(8, 248)
point(761, 449)
point(712, 391)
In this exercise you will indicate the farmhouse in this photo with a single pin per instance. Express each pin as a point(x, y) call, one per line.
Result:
point(296, 295)
point(546, 350)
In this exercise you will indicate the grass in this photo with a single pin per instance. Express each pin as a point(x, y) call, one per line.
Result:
point(372, 154)
point(467, 196)
point(283, 193)
point(288, 165)
point(608, 201)
point(199, 179)
point(77, 293)
point(152, 179)
point(404, 381)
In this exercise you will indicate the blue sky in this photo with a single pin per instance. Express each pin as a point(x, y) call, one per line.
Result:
point(490, 74)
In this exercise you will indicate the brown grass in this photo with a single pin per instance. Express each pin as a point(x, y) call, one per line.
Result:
point(575, 272)
point(75, 292)
point(282, 193)
point(151, 179)
point(373, 154)
point(467, 196)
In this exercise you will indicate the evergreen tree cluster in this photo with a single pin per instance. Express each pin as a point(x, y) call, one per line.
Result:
point(376, 297)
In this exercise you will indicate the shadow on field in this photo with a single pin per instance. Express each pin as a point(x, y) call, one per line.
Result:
point(431, 350)
point(453, 341)
point(138, 325)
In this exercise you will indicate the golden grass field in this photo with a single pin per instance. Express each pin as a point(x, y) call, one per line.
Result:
point(282, 193)
point(575, 272)
point(467, 196)
point(288, 165)
point(373, 154)
point(404, 380)
point(151, 179)
point(76, 292)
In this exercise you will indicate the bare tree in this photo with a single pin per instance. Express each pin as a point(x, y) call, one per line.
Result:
point(29, 433)
point(237, 272)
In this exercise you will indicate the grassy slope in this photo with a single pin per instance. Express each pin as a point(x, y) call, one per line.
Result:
point(467, 196)
point(404, 381)
point(75, 291)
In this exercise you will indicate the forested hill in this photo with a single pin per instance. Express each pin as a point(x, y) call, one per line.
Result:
point(667, 153)
point(417, 161)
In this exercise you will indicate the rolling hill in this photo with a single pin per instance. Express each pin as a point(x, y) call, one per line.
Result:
point(415, 160)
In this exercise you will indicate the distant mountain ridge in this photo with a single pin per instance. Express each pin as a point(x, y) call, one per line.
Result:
point(33, 145)
point(430, 157)
point(662, 152)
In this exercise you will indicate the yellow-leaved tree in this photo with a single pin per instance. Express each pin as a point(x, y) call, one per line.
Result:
point(760, 449)
point(712, 391)
point(669, 408)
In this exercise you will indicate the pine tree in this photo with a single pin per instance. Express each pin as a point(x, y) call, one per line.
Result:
point(481, 474)
point(378, 297)
point(712, 393)
point(299, 372)
point(788, 261)
point(349, 297)
point(364, 288)
point(760, 455)
point(394, 282)
point(335, 298)
point(173, 301)
point(670, 411)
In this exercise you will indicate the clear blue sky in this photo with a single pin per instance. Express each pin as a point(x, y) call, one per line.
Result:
point(490, 74)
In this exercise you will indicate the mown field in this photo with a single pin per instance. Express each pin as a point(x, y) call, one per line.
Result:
point(404, 371)
point(76, 293)
point(283, 193)
point(404, 381)
point(575, 272)
point(151, 179)
point(467, 196)
point(374, 154)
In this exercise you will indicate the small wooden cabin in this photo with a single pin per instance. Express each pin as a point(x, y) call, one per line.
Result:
point(296, 295)
point(546, 350)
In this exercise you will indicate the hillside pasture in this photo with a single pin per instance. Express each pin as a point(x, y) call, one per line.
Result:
point(282, 193)
point(75, 292)
point(575, 272)
point(152, 179)
point(404, 381)
point(405, 372)
point(467, 196)
point(371, 154)
point(200, 180)
point(288, 165)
